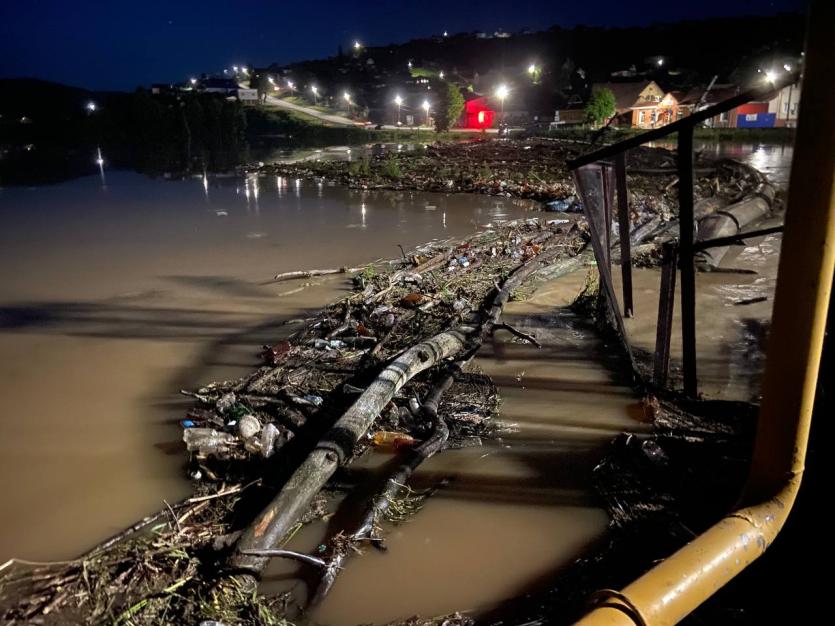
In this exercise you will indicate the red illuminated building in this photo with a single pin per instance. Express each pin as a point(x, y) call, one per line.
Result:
point(477, 115)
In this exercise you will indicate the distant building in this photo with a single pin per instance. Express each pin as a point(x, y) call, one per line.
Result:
point(632, 99)
point(785, 106)
point(478, 114)
point(248, 96)
point(225, 86)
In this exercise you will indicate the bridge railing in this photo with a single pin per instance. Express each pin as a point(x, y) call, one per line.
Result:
point(600, 178)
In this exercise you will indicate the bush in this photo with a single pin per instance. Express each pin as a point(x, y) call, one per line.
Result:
point(391, 168)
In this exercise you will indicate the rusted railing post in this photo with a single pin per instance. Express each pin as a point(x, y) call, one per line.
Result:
point(688, 272)
point(666, 306)
point(607, 212)
point(623, 229)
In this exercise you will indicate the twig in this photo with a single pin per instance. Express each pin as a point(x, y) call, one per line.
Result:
point(517, 333)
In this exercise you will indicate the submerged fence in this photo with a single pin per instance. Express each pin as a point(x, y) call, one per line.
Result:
point(600, 178)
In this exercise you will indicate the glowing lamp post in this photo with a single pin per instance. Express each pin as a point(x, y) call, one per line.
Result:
point(315, 91)
point(426, 107)
point(501, 93)
point(91, 106)
point(347, 97)
point(770, 76)
point(399, 102)
point(534, 71)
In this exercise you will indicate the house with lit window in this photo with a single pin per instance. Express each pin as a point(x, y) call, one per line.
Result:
point(645, 94)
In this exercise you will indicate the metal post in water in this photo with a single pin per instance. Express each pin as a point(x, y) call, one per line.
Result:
point(688, 271)
point(623, 229)
point(666, 305)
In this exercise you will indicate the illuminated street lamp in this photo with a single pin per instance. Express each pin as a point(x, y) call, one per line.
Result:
point(787, 67)
point(193, 81)
point(357, 46)
point(770, 76)
point(347, 97)
point(441, 75)
point(235, 68)
point(534, 71)
point(425, 106)
point(315, 91)
point(90, 106)
point(660, 62)
point(291, 85)
point(502, 92)
point(399, 102)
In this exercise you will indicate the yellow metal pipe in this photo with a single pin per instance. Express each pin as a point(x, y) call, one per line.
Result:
point(679, 584)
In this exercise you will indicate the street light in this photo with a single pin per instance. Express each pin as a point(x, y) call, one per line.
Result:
point(502, 92)
point(235, 68)
point(770, 76)
point(357, 46)
point(532, 69)
point(347, 98)
point(90, 106)
point(425, 107)
point(291, 86)
point(315, 91)
point(441, 75)
point(399, 102)
point(193, 81)
point(787, 67)
point(660, 62)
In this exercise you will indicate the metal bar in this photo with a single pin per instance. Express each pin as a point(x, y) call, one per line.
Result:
point(732, 239)
point(684, 123)
point(623, 229)
point(688, 270)
point(666, 306)
point(603, 269)
point(607, 213)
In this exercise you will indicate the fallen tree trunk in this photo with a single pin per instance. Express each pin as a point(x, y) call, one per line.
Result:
point(282, 513)
point(276, 520)
point(731, 221)
point(343, 547)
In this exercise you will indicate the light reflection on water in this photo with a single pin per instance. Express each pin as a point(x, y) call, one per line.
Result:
point(772, 159)
point(113, 299)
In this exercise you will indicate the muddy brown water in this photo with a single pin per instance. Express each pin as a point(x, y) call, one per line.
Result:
point(115, 293)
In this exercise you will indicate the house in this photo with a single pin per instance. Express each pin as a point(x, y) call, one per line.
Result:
point(785, 105)
point(477, 114)
point(651, 112)
point(643, 93)
point(571, 112)
point(225, 86)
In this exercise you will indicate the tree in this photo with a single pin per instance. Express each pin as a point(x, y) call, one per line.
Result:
point(600, 107)
point(449, 107)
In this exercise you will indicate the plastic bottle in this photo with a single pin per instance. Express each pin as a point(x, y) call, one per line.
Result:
point(391, 439)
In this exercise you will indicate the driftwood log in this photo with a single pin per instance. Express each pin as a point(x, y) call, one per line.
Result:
point(275, 521)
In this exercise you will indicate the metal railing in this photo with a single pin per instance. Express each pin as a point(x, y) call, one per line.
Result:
point(598, 175)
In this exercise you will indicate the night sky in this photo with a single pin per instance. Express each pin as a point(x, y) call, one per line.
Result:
point(120, 45)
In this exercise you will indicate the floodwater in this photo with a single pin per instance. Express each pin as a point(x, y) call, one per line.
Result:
point(773, 160)
point(113, 298)
point(513, 512)
point(117, 291)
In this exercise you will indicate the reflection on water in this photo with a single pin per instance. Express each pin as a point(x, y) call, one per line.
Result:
point(774, 160)
point(112, 299)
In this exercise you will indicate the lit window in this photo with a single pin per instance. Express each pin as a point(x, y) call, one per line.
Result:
point(481, 117)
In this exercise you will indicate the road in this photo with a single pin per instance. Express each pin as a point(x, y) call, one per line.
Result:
point(325, 117)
